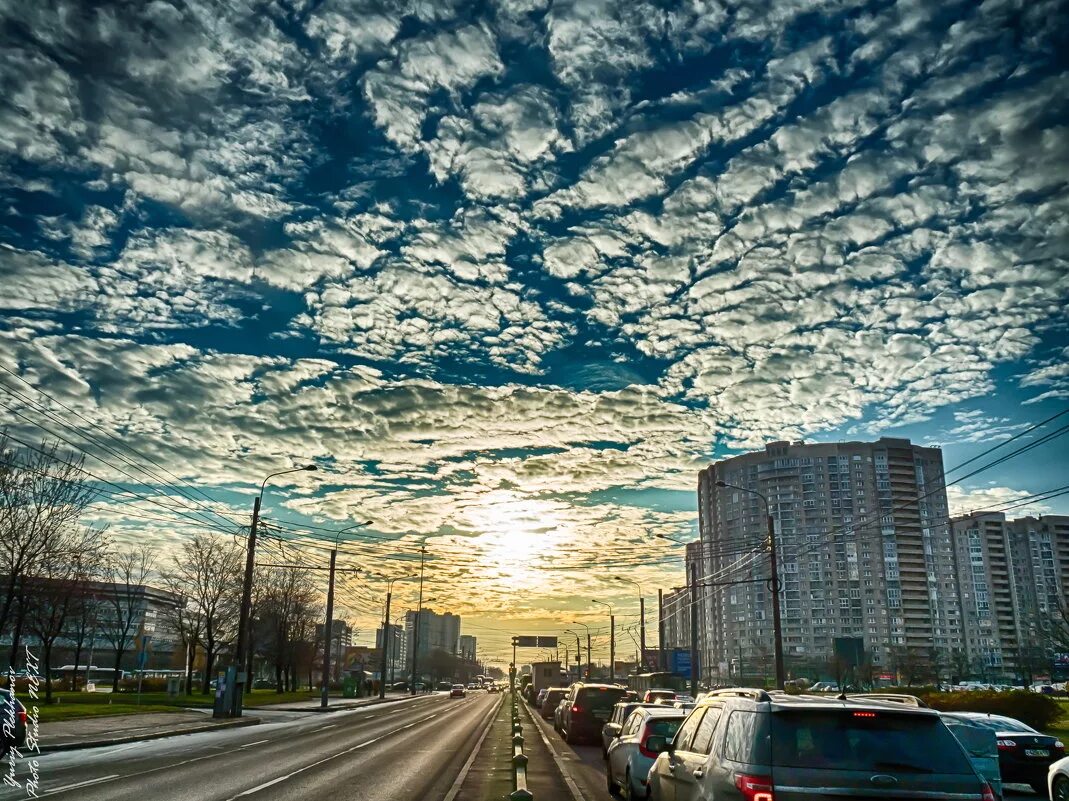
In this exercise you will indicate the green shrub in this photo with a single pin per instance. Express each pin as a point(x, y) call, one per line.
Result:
point(147, 685)
point(1038, 711)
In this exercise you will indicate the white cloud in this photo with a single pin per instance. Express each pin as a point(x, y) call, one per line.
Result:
point(29, 281)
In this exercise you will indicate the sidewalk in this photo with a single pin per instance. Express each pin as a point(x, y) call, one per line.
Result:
point(490, 777)
point(94, 732)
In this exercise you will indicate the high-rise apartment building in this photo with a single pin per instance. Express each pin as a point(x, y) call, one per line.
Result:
point(395, 643)
point(436, 632)
point(863, 546)
point(466, 647)
point(1013, 575)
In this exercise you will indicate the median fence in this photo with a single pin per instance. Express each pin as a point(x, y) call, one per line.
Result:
point(519, 759)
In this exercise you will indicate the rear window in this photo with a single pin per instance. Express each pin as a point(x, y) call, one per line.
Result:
point(599, 697)
point(554, 695)
point(665, 727)
point(852, 740)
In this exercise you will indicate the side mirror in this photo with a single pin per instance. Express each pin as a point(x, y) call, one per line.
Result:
point(612, 729)
point(658, 744)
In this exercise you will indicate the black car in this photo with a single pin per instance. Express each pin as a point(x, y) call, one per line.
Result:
point(549, 702)
point(588, 710)
point(1024, 754)
point(13, 721)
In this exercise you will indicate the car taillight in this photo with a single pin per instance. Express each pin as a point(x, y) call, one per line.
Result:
point(754, 788)
point(988, 794)
point(575, 708)
point(22, 716)
point(1004, 744)
point(642, 749)
point(1059, 745)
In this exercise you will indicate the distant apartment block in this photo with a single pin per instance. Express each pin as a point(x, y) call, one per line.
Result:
point(436, 632)
point(864, 551)
point(466, 647)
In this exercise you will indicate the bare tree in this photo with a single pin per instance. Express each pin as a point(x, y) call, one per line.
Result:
point(288, 613)
point(129, 572)
point(42, 496)
point(207, 572)
point(53, 591)
point(84, 619)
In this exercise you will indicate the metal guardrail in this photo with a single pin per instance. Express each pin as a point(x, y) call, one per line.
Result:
point(519, 759)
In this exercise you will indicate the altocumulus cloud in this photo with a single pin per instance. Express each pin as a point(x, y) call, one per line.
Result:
point(395, 236)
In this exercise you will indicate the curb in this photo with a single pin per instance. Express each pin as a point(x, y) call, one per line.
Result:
point(342, 707)
point(133, 738)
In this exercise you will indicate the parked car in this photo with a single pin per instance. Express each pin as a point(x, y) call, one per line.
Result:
point(458, 691)
point(1058, 780)
point(540, 698)
point(550, 701)
point(12, 722)
point(1024, 754)
point(730, 745)
point(589, 708)
point(980, 744)
point(611, 730)
point(653, 695)
point(629, 761)
point(558, 714)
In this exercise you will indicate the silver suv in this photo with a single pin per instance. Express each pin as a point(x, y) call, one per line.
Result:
point(753, 745)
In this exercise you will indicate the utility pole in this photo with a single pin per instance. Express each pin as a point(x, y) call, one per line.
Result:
point(612, 640)
point(694, 629)
point(419, 611)
point(241, 647)
point(642, 630)
point(328, 632)
point(660, 629)
point(387, 638)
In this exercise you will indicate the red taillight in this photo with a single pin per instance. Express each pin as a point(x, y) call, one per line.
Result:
point(22, 716)
point(864, 714)
point(1005, 745)
point(1059, 745)
point(575, 708)
point(988, 794)
point(642, 749)
point(754, 788)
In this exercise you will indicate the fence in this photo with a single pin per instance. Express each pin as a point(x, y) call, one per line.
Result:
point(519, 759)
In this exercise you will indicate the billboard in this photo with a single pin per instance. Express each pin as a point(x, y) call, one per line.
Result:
point(534, 642)
point(679, 661)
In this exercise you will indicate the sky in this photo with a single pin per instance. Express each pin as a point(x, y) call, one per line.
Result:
point(510, 273)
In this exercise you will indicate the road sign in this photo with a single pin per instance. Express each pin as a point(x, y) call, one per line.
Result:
point(525, 642)
point(547, 642)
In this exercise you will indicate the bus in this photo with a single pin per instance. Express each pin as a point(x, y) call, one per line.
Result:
point(657, 681)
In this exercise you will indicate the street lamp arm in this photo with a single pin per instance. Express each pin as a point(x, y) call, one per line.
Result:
point(307, 467)
point(725, 485)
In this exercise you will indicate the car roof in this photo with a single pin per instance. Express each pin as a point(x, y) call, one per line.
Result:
point(660, 712)
point(779, 701)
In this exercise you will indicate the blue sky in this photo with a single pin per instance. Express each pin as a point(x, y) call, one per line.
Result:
point(512, 272)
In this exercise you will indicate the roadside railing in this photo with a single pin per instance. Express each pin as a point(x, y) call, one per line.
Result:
point(519, 759)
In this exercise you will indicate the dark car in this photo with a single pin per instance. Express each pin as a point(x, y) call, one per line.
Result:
point(1024, 754)
point(589, 708)
point(751, 743)
point(13, 720)
point(549, 702)
point(611, 730)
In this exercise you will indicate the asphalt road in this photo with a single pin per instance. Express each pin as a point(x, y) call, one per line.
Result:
point(410, 750)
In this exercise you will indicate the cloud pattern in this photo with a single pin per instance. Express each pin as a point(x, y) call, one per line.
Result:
point(552, 249)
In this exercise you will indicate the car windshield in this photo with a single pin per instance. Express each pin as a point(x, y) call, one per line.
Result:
point(997, 723)
point(865, 741)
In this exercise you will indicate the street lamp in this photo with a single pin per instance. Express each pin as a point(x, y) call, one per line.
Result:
point(612, 639)
point(589, 664)
point(641, 618)
point(578, 654)
point(777, 629)
point(241, 646)
point(328, 631)
point(386, 638)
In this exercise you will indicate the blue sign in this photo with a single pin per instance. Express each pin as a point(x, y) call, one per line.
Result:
point(679, 661)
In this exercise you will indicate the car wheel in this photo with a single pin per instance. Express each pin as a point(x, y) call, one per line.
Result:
point(1060, 789)
point(569, 737)
point(628, 791)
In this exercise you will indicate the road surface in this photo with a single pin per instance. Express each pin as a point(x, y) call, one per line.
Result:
point(413, 749)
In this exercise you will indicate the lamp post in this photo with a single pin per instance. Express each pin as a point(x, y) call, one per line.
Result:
point(386, 633)
point(589, 664)
point(641, 619)
point(612, 639)
point(419, 612)
point(777, 628)
point(578, 655)
point(241, 646)
point(328, 631)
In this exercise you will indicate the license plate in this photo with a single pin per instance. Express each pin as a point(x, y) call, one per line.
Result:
point(1036, 752)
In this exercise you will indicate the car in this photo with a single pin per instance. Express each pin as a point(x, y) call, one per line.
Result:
point(629, 761)
point(558, 713)
point(735, 740)
point(588, 709)
point(653, 695)
point(540, 698)
point(491, 688)
point(13, 718)
point(444, 686)
point(1024, 754)
point(550, 701)
point(457, 691)
point(473, 686)
point(1058, 780)
point(611, 730)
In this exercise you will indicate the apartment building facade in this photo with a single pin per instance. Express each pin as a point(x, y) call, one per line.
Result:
point(437, 632)
point(1013, 581)
point(863, 546)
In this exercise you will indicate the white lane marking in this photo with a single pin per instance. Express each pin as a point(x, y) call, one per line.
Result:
point(475, 752)
point(250, 745)
point(82, 784)
point(356, 747)
point(573, 788)
point(324, 728)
